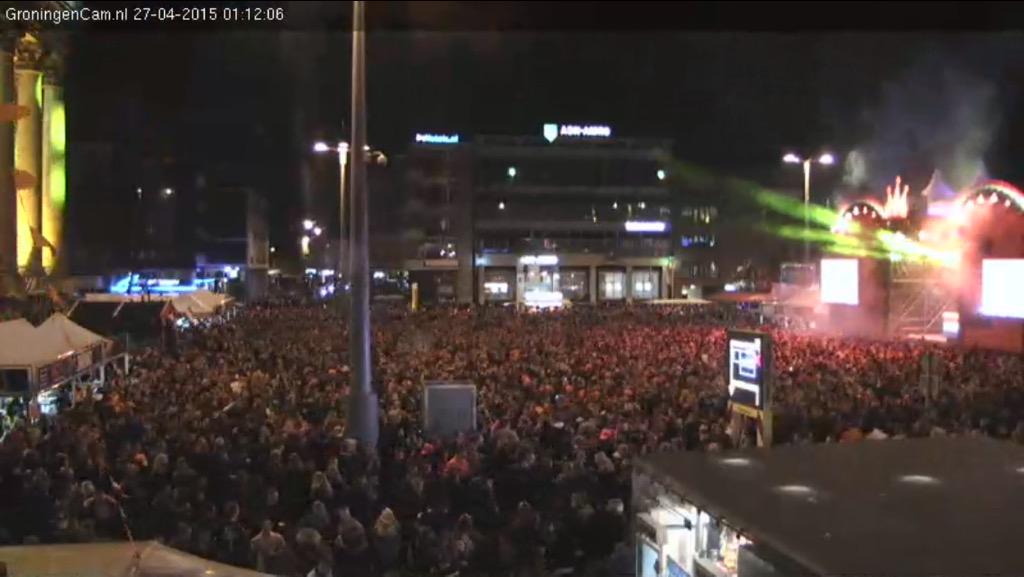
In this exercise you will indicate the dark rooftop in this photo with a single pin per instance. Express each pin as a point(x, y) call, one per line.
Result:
point(937, 507)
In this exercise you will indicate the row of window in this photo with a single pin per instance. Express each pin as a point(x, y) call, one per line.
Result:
point(644, 284)
point(697, 241)
point(698, 270)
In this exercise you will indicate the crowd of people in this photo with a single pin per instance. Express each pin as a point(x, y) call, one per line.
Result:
point(233, 447)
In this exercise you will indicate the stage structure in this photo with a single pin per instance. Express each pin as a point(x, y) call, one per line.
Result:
point(929, 265)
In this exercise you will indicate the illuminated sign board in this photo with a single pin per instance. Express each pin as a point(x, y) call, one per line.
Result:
point(645, 226)
point(543, 259)
point(748, 368)
point(553, 131)
point(437, 138)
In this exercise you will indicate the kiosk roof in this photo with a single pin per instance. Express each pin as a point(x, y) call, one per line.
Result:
point(941, 506)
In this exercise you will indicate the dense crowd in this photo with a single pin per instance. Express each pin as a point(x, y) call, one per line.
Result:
point(233, 447)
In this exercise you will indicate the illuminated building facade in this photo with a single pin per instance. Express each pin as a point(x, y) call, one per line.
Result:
point(572, 209)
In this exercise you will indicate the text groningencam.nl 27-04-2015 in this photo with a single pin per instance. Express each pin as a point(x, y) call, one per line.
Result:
point(144, 13)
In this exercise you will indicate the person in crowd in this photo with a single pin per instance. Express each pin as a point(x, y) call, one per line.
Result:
point(240, 438)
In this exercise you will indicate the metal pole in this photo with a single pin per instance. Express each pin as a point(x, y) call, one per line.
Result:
point(363, 424)
point(343, 264)
point(807, 204)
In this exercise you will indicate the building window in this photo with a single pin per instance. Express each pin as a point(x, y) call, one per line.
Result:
point(645, 284)
point(697, 241)
point(499, 285)
point(574, 284)
point(611, 285)
point(699, 214)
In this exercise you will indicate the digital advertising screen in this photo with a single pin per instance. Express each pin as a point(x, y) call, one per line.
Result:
point(840, 281)
point(1002, 287)
point(749, 367)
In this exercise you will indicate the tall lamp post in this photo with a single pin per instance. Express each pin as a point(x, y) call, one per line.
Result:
point(825, 160)
point(363, 422)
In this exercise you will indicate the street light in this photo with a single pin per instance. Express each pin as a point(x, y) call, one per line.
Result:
point(317, 231)
point(661, 174)
point(825, 159)
point(308, 224)
point(342, 150)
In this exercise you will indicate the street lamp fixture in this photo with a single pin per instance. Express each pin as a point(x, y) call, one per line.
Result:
point(317, 231)
point(168, 191)
point(512, 172)
point(825, 159)
point(321, 147)
point(661, 174)
point(308, 224)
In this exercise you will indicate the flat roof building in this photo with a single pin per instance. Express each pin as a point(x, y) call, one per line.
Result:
point(571, 209)
point(940, 506)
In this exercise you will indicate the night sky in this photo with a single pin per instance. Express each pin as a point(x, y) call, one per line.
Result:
point(246, 104)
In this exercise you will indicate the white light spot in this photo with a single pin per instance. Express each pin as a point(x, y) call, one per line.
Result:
point(735, 461)
point(795, 489)
point(919, 479)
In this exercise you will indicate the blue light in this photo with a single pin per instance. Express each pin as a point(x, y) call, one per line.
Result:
point(437, 138)
point(132, 284)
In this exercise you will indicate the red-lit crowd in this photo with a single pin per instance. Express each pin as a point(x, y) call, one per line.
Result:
point(234, 447)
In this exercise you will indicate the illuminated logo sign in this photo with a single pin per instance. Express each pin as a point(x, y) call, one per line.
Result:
point(553, 131)
point(550, 132)
point(542, 260)
point(438, 138)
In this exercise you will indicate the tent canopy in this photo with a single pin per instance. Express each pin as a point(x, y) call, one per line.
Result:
point(17, 340)
point(60, 329)
point(114, 559)
point(200, 303)
point(22, 345)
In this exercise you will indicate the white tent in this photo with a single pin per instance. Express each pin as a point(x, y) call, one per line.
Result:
point(18, 344)
point(212, 300)
point(67, 334)
point(24, 346)
point(201, 303)
point(190, 306)
point(116, 559)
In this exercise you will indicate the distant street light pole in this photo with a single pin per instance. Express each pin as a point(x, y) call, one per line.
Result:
point(363, 422)
point(825, 160)
point(342, 150)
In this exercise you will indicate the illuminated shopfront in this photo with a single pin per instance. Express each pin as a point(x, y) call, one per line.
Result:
point(675, 538)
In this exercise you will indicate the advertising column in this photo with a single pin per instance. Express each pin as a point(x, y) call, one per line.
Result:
point(28, 80)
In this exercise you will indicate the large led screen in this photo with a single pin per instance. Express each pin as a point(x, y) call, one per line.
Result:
point(840, 283)
point(1002, 287)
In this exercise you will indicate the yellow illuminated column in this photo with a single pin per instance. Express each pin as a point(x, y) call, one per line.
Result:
point(54, 175)
point(28, 83)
